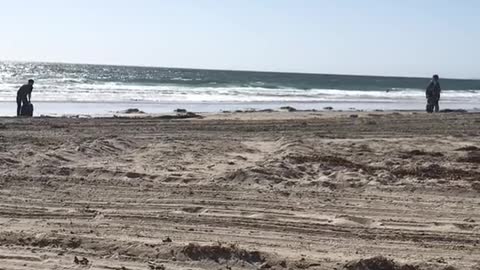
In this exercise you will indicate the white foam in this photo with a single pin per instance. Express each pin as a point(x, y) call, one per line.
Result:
point(73, 91)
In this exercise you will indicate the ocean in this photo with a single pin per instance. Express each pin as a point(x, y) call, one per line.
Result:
point(95, 89)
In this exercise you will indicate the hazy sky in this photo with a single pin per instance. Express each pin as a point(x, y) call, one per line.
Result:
point(384, 37)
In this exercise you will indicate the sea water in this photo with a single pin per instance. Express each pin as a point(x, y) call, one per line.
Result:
point(96, 89)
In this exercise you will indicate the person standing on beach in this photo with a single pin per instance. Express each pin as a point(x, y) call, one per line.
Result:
point(433, 95)
point(24, 96)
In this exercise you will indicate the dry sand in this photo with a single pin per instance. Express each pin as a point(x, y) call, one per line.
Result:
point(241, 191)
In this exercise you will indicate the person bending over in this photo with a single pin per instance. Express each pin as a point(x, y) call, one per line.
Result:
point(24, 96)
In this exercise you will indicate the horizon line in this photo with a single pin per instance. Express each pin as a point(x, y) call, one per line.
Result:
point(236, 70)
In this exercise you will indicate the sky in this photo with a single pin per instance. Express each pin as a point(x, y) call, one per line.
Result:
point(369, 37)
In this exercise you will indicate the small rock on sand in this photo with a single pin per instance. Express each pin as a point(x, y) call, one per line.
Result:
point(155, 266)
point(132, 111)
point(328, 108)
point(83, 261)
point(288, 108)
point(267, 110)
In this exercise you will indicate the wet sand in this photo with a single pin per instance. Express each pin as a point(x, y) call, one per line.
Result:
point(108, 109)
point(240, 191)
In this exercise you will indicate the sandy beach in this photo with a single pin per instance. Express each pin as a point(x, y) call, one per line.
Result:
point(303, 190)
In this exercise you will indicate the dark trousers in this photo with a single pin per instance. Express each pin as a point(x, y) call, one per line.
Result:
point(20, 102)
point(432, 105)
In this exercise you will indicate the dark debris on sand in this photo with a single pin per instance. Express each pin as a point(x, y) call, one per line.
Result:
point(382, 263)
point(180, 116)
point(288, 108)
point(219, 253)
point(188, 115)
point(84, 261)
point(132, 111)
point(417, 152)
point(471, 157)
point(453, 111)
point(155, 266)
point(468, 148)
point(378, 263)
point(435, 171)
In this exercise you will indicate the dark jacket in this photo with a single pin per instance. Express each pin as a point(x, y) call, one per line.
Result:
point(25, 90)
point(434, 90)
